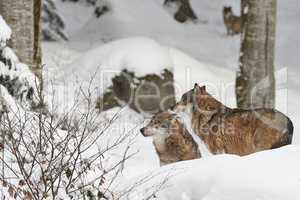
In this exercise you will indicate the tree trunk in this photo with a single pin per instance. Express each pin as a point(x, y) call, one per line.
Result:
point(255, 83)
point(21, 16)
point(37, 56)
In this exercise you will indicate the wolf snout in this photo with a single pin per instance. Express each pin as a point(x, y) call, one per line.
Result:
point(142, 130)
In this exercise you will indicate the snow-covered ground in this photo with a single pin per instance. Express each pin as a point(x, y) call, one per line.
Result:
point(270, 175)
point(142, 36)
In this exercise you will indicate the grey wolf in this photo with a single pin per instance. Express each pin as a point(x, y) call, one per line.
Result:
point(171, 139)
point(234, 131)
point(232, 22)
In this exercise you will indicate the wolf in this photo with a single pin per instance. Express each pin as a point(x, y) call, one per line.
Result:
point(232, 22)
point(234, 131)
point(171, 139)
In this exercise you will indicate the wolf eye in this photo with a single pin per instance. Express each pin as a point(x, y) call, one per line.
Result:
point(165, 125)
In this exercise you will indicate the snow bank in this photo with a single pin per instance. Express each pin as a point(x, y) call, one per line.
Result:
point(140, 55)
point(96, 68)
point(146, 56)
point(269, 175)
point(145, 157)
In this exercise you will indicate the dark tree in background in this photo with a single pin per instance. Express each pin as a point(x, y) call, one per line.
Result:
point(184, 10)
point(255, 83)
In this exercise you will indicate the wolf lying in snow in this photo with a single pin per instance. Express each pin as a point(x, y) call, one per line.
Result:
point(219, 128)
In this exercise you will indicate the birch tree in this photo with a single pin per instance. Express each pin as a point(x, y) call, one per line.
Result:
point(23, 16)
point(255, 82)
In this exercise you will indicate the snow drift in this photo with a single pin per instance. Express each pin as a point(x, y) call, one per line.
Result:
point(269, 175)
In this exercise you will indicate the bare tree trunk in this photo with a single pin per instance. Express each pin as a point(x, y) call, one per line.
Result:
point(20, 16)
point(255, 83)
point(37, 56)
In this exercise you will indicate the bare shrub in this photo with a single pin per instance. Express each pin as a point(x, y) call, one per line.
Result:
point(49, 156)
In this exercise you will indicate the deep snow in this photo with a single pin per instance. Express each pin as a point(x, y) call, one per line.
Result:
point(269, 175)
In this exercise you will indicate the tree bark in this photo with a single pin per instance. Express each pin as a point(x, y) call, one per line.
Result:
point(21, 16)
point(255, 82)
point(37, 56)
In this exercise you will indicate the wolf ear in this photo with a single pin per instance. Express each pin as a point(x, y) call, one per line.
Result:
point(197, 89)
point(203, 89)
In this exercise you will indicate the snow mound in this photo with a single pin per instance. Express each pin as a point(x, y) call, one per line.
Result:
point(262, 176)
point(141, 55)
point(146, 56)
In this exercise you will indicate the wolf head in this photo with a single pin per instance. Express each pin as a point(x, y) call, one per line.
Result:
point(227, 10)
point(190, 99)
point(162, 124)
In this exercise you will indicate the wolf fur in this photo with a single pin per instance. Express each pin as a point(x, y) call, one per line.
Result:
point(171, 139)
point(234, 131)
point(232, 22)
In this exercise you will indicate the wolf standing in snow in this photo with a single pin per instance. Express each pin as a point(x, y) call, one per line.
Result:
point(233, 23)
point(171, 139)
point(234, 131)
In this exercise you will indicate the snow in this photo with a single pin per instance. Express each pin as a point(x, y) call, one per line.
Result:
point(140, 55)
point(5, 31)
point(7, 102)
point(145, 158)
point(188, 71)
point(262, 175)
point(9, 54)
point(16, 76)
